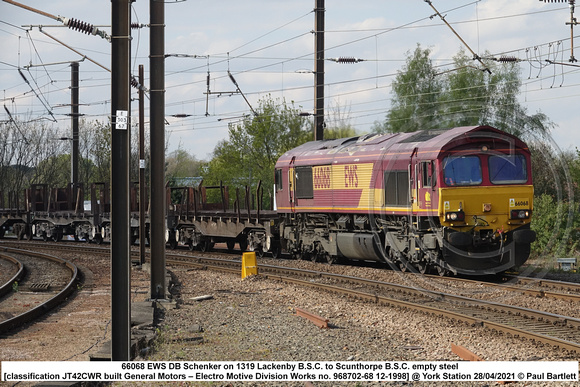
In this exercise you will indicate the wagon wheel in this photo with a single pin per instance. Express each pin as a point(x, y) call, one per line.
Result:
point(259, 251)
point(299, 255)
point(206, 245)
point(231, 245)
point(172, 242)
point(313, 256)
point(98, 238)
point(57, 236)
point(276, 250)
point(243, 242)
point(45, 237)
point(190, 245)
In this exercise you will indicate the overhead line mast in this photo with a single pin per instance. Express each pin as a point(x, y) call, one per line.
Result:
point(572, 23)
point(319, 71)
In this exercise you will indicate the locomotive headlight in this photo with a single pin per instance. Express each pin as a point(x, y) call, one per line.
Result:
point(455, 216)
point(520, 214)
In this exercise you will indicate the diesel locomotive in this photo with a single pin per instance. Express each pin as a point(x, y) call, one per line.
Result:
point(457, 200)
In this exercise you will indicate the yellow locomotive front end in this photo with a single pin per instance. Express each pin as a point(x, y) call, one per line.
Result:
point(485, 209)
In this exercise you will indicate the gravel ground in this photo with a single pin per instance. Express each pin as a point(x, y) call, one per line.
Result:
point(255, 319)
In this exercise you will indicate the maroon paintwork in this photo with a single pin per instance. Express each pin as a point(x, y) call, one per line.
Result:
point(346, 182)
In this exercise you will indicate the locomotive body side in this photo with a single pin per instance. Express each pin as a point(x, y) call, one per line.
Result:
point(392, 198)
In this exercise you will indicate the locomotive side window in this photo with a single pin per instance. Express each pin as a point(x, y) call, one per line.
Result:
point(426, 173)
point(304, 186)
point(462, 170)
point(396, 188)
point(278, 180)
point(507, 169)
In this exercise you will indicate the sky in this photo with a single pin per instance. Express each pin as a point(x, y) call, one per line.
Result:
point(268, 47)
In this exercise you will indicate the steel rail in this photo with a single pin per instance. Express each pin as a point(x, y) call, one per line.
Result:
point(52, 302)
point(7, 287)
point(273, 272)
point(540, 293)
point(540, 282)
point(506, 310)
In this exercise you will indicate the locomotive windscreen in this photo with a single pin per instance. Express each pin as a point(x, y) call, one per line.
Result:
point(507, 169)
point(463, 170)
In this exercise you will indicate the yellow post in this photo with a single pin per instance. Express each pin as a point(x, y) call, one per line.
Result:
point(249, 264)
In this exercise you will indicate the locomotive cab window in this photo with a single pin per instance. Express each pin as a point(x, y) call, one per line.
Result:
point(462, 170)
point(278, 180)
point(507, 169)
point(304, 186)
point(426, 173)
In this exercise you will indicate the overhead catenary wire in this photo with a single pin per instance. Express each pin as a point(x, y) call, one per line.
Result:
point(250, 92)
point(475, 56)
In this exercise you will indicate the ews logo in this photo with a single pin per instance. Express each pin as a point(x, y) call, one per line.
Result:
point(350, 176)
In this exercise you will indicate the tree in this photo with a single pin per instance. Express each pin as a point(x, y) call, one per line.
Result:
point(254, 145)
point(338, 123)
point(416, 96)
point(179, 165)
point(99, 142)
point(556, 224)
point(465, 95)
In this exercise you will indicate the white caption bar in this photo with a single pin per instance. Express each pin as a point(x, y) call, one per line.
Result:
point(289, 371)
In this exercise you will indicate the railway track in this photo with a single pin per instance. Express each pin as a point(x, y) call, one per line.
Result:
point(42, 282)
point(548, 328)
point(534, 287)
point(11, 271)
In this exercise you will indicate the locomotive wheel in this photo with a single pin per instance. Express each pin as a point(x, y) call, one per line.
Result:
point(441, 271)
point(329, 259)
point(422, 267)
point(403, 266)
